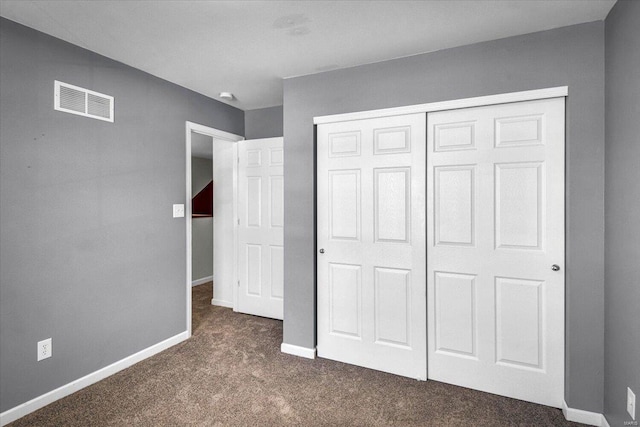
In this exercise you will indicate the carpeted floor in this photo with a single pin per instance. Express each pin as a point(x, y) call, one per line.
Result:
point(232, 373)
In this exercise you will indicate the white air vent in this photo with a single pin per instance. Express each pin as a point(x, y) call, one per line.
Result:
point(83, 102)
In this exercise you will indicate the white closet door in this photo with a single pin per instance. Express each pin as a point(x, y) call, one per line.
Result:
point(371, 242)
point(260, 229)
point(496, 249)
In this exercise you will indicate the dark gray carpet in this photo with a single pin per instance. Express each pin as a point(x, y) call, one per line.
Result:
point(232, 373)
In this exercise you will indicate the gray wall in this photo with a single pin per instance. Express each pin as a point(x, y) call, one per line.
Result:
point(263, 122)
point(572, 56)
point(622, 199)
point(89, 252)
point(202, 228)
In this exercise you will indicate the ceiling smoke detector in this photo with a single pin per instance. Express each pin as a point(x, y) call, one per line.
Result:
point(227, 95)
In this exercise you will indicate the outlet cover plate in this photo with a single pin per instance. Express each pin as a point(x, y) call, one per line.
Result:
point(631, 403)
point(178, 211)
point(44, 349)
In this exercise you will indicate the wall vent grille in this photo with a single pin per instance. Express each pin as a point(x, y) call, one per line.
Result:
point(83, 102)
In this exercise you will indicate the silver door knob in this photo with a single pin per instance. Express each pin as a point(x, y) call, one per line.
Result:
point(555, 267)
point(321, 251)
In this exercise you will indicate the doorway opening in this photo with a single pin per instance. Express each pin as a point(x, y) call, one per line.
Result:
point(211, 212)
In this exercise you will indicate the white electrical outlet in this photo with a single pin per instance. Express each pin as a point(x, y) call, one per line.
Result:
point(178, 211)
point(44, 349)
point(631, 403)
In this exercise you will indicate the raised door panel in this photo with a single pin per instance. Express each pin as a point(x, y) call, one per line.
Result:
point(392, 306)
point(392, 190)
point(519, 205)
point(276, 271)
point(519, 330)
point(254, 269)
point(455, 317)
point(253, 203)
point(519, 131)
point(392, 140)
point(254, 158)
point(276, 201)
point(344, 204)
point(345, 300)
point(276, 156)
point(345, 144)
point(454, 136)
point(455, 205)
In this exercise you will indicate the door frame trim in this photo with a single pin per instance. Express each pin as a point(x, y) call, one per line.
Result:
point(216, 135)
point(456, 104)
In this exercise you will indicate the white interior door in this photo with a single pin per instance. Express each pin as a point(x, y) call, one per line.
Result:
point(260, 229)
point(495, 209)
point(371, 241)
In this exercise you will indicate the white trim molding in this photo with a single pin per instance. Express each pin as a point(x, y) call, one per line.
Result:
point(26, 408)
point(221, 303)
point(213, 132)
point(308, 353)
point(584, 417)
point(503, 98)
point(202, 281)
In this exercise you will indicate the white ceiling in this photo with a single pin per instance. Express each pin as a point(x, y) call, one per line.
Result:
point(248, 47)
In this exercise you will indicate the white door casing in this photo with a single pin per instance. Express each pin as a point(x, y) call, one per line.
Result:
point(371, 230)
point(261, 227)
point(495, 209)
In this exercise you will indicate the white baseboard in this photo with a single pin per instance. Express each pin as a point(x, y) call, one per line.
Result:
point(221, 303)
point(20, 411)
point(202, 281)
point(584, 417)
point(309, 353)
